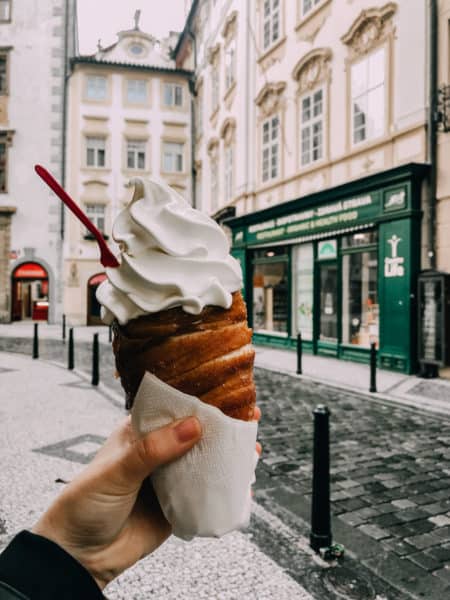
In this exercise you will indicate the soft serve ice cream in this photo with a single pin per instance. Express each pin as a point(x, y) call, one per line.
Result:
point(171, 255)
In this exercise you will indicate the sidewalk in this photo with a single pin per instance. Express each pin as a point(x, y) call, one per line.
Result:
point(53, 421)
point(408, 390)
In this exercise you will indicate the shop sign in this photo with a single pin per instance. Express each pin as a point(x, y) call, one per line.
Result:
point(327, 249)
point(394, 264)
point(395, 200)
point(340, 214)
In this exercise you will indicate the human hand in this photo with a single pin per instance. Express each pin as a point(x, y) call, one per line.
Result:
point(108, 517)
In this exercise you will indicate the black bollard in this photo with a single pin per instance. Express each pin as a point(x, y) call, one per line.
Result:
point(320, 536)
point(95, 370)
point(70, 362)
point(110, 333)
point(36, 342)
point(373, 368)
point(299, 354)
point(64, 327)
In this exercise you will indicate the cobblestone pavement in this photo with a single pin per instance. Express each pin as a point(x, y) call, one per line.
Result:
point(52, 422)
point(390, 477)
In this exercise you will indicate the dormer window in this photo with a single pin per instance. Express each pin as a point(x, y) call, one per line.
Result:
point(137, 49)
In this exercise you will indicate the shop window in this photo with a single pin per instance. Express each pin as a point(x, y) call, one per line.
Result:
point(136, 91)
point(271, 23)
point(303, 283)
point(136, 155)
point(312, 126)
point(96, 87)
point(362, 238)
point(270, 148)
point(360, 310)
point(328, 301)
point(368, 97)
point(270, 297)
point(95, 152)
point(173, 157)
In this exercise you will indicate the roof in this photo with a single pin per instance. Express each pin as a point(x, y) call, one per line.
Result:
point(187, 26)
point(91, 60)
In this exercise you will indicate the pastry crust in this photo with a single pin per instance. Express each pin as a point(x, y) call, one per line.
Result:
point(207, 355)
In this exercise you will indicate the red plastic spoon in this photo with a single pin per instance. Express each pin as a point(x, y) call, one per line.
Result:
point(107, 258)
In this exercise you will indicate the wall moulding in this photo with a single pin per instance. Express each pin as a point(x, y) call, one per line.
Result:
point(312, 69)
point(269, 98)
point(371, 27)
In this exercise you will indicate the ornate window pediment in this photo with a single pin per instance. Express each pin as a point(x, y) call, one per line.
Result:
point(227, 130)
point(371, 26)
point(312, 69)
point(269, 98)
point(229, 28)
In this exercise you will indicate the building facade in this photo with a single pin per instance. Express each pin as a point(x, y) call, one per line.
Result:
point(327, 121)
point(33, 63)
point(129, 116)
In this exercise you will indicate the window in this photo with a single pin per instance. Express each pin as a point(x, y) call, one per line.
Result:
point(228, 173)
point(96, 213)
point(215, 87)
point(96, 87)
point(303, 278)
point(3, 74)
point(95, 152)
point(368, 97)
point(312, 125)
point(3, 162)
point(308, 5)
point(173, 94)
point(214, 183)
point(271, 22)
point(360, 309)
point(173, 157)
point(5, 10)
point(136, 91)
point(270, 148)
point(230, 64)
point(135, 155)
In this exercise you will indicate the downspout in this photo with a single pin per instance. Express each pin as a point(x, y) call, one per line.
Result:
point(193, 117)
point(64, 116)
point(432, 130)
point(247, 106)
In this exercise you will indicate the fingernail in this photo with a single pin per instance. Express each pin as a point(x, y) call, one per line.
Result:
point(188, 430)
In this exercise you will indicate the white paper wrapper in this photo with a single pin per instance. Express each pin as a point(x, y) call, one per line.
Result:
point(205, 493)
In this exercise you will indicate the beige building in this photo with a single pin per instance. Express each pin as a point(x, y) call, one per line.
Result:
point(311, 126)
point(129, 115)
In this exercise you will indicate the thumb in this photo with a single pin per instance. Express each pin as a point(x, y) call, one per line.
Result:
point(158, 448)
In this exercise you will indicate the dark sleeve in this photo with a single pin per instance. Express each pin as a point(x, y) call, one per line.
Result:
point(38, 569)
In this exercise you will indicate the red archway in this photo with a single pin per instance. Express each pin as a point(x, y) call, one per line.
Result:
point(93, 305)
point(29, 292)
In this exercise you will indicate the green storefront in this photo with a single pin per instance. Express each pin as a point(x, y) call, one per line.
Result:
point(340, 267)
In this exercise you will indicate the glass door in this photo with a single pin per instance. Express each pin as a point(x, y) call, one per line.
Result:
point(328, 316)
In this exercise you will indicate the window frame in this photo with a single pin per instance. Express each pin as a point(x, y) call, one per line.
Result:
point(310, 124)
point(228, 171)
point(140, 102)
point(353, 98)
point(314, 4)
point(94, 217)
point(7, 3)
point(182, 154)
point(173, 86)
point(96, 151)
point(268, 19)
point(214, 182)
point(4, 53)
point(269, 145)
point(4, 162)
point(136, 152)
point(89, 76)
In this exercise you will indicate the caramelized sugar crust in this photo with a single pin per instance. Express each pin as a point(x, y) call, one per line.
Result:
point(208, 355)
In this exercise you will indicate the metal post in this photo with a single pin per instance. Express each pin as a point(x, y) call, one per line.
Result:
point(70, 363)
point(64, 327)
point(320, 536)
point(373, 368)
point(95, 370)
point(299, 354)
point(110, 333)
point(36, 342)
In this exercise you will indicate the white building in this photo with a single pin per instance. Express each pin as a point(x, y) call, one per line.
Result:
point(36, 39)
point(129, 115)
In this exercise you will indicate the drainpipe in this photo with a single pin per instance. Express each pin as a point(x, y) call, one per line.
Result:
point(193, 117)
point(432, 130)
point(247, 105)
point(64, 115)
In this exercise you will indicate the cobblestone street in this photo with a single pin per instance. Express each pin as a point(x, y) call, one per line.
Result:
point(390, 477)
